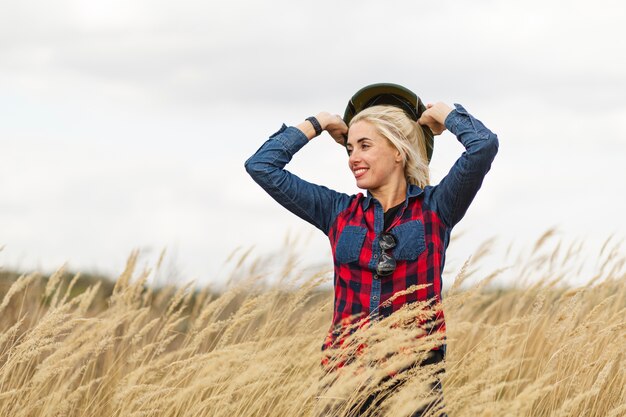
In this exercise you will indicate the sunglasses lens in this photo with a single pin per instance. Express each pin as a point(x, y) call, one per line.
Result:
point(387, 241)
point(386, 266)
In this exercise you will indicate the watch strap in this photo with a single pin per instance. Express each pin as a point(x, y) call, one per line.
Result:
point(316, 125)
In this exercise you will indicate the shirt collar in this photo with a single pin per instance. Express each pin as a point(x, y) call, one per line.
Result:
point(411, 191)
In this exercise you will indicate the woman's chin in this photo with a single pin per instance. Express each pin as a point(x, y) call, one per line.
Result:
point(362, 185)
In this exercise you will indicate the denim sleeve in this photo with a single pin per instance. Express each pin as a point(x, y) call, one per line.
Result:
point(453, 195)
point(316, 204)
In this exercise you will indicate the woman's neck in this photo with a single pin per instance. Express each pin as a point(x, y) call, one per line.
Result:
point(390, 195)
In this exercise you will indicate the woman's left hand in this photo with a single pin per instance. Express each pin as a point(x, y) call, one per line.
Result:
point(435, 117)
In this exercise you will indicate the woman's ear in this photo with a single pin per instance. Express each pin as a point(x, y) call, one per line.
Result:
point(398, 156)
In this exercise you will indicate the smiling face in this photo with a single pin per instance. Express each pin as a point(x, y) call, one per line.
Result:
point(375, 163)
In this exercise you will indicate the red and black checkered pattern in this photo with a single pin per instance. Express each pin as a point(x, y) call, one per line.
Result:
point(353, 280)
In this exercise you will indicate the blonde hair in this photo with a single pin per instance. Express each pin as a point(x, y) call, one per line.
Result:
point(405, 135)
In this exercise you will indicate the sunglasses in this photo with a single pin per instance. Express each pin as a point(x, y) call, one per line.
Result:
point(386, 264)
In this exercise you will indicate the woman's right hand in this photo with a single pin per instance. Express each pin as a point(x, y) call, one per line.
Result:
point(334, 125)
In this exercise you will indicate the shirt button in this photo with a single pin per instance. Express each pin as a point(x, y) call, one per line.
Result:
point(375, 298)
point(375, 276)
point(375, 256)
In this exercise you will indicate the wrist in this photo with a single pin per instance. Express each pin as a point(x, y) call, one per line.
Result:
point(323, 119)
point(316, 125)
point(442, 113)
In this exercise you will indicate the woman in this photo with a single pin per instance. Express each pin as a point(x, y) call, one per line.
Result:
point(395, 236)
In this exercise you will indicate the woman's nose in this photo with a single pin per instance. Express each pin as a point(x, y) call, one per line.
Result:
point(354, 158)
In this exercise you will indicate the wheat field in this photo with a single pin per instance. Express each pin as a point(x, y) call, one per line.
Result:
point(536, 348)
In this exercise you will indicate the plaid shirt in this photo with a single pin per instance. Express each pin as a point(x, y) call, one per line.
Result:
point(354, 223)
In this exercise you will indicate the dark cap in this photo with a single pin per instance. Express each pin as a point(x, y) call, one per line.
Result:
point(392, 95)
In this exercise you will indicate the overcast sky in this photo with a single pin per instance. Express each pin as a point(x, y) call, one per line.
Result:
point(125, 124)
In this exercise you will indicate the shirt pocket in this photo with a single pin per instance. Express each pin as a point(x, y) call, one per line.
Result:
point(349, 245)
point(411, 240)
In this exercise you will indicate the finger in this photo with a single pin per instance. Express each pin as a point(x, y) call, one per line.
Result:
point(429, 105)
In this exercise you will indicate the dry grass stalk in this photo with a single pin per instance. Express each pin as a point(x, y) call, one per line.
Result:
point(538, 349)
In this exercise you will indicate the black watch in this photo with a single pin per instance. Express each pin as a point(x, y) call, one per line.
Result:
point(316, 125)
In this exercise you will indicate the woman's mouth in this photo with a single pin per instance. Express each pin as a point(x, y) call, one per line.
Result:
point(359, 172)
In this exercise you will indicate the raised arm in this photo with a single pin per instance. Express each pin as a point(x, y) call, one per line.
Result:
point(316, 204)
point(453, 195)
